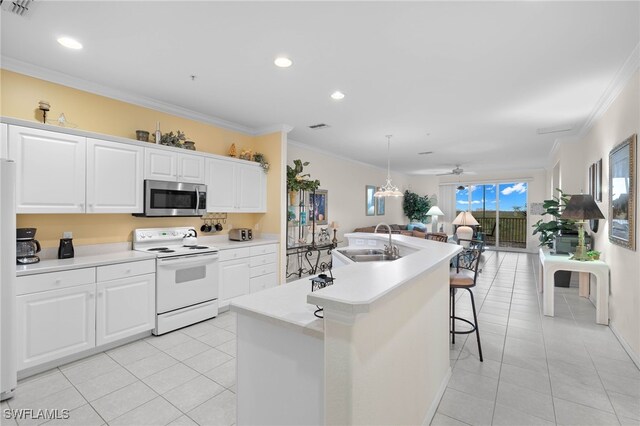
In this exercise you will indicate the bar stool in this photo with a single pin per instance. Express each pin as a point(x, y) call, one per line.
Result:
point(464, 277)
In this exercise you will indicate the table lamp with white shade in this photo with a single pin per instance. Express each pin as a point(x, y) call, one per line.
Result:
point(464, 231)
point(434, 212)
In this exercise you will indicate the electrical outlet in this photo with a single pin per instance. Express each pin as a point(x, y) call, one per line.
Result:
point(257, 226)
point(67, 234)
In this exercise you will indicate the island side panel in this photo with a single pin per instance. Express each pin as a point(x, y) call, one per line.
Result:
point(280, 374)
point(391, 365)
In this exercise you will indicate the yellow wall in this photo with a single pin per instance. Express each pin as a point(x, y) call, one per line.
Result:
point(271, 146)
point(19, 97)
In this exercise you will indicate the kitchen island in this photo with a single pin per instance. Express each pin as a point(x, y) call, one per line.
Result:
point(379, 356)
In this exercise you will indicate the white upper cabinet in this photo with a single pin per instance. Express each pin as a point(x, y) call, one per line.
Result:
point(160, 165)
point(221, 185)
point(114, 177)
point(4, 141)
point(50, 174)
point(251, 189)
point(235, 187)
point(191, 168)
point(173, 166)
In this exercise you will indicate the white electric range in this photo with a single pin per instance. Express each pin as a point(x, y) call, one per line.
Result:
point(186, 277)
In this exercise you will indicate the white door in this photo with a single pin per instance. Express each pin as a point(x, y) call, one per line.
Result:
point(235, 278)
point(4, 141)
point(54, 324)
point(125, 307)
point(251, 189)
point(50, 174)
point(191, 168)
point(114, 177)
point(160, 165)
point(221, 186)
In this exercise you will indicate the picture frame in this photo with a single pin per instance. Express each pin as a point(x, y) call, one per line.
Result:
point(622, 191)
point(598, 181)
point(319, 206)
point(380, 206)
point(369, 200)
point(594, 224)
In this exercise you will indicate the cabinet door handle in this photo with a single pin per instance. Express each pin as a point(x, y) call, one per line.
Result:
point(58, 281)
point(128, 271)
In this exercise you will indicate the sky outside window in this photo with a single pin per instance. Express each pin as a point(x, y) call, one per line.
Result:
point(511, 195)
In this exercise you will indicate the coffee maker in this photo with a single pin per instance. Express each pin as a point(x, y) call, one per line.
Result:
point(27, 246)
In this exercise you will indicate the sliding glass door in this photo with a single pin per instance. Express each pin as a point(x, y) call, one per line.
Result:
point(500, 209)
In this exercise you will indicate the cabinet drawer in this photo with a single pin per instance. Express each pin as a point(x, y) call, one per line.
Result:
point(54, 280)
point(238, 253)
point(269, 248)
point(263, 282)
point(256, 271)
point(128, 269)
point(265, 259)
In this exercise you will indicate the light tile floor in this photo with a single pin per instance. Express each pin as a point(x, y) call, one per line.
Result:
point(537, 370)
point(186, 377)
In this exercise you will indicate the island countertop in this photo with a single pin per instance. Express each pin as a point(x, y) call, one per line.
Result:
point(356, 286)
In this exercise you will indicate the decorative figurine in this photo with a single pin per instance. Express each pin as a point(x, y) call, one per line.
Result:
point(232, 151)
point(44, 107)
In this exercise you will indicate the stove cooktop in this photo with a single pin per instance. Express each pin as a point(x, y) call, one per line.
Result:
point(167, 242)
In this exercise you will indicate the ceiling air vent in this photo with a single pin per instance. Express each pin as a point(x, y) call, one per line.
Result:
point(319, 126)
point(19, 7)
point(559, 129)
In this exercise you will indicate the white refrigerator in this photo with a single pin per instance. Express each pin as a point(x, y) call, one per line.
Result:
point(8, 352)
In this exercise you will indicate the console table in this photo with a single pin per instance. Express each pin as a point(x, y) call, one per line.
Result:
point(550, 263)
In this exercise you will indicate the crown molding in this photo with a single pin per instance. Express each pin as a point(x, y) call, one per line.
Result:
point(614, 88)
point(338, 156)
point(283, 128)
point(36, 71)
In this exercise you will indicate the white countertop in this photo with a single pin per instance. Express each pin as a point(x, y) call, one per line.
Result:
point(356, 286)
point(111, 257)
point(55, 265)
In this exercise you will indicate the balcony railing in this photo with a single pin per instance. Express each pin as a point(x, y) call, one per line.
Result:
point(513, 231)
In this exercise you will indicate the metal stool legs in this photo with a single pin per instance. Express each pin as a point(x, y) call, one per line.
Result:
point(474, 324)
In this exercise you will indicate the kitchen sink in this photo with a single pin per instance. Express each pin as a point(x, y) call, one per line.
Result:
point(368, 255)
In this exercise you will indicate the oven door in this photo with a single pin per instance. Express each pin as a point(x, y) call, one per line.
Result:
point(186, 280)
point(174, 198)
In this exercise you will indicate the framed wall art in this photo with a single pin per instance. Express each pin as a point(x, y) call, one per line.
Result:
point(380, 205)
point(319, 206)
point(594, 224)
point(369, 200)
point(622, 190)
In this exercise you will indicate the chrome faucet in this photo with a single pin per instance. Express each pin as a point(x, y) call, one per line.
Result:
point(390, 249)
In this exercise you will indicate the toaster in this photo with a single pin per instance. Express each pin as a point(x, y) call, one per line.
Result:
point(240, 234)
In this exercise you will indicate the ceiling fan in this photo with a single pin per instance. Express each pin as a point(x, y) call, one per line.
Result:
point(457, 171)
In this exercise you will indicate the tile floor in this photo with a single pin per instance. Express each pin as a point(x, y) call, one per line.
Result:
point(537, 370)
point(186, 377)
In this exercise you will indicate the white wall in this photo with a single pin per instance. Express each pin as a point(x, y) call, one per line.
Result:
point(346, 180)
point(621, 120)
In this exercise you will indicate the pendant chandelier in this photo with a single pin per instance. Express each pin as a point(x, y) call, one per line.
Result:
point(388, 190)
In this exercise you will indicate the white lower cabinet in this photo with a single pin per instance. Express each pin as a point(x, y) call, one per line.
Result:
point(247, 270)
point(54, 324)
point(234, 278)
point(125, 307)
point(67, 312)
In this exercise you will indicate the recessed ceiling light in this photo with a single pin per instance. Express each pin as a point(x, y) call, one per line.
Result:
point(70, 43)
point(337, 95)
point(283, 62)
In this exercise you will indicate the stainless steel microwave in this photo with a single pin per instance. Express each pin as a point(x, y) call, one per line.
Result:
point(174, 199)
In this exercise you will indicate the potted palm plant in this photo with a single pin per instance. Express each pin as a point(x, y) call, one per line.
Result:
point(548, 231)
